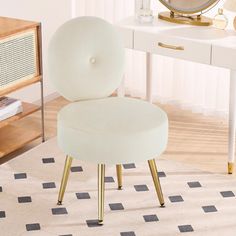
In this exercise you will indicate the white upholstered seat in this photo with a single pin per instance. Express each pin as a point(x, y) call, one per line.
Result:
point(112, 130)
point(86, 64)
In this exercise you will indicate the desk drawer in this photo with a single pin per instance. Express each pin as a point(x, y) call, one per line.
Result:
point(167, 45)
point(224, 56)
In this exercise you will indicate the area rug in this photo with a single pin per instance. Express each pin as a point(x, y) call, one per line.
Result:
point(197, 202)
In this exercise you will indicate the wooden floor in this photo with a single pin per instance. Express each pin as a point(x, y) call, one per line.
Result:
point(193, 138)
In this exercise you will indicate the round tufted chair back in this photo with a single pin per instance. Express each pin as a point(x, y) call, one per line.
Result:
point(86, 59)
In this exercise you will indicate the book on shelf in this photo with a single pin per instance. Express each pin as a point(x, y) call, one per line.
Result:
point(9, 107)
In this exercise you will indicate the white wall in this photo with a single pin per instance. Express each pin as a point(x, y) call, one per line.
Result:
point(51, 13)
point(193, 86)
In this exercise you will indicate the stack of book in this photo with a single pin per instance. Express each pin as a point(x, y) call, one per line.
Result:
point(9, 107)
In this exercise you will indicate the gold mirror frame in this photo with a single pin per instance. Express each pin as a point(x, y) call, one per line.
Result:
point(192, 17)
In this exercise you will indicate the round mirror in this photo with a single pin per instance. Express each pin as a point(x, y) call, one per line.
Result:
point(188, 6)
point(182, 11)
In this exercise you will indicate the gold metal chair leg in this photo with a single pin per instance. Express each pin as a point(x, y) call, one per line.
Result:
point(119, 176)
point(153, 169)
point(64, 180)
point(101, 190)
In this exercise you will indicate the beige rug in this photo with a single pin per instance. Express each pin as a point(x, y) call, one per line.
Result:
point(197, 203)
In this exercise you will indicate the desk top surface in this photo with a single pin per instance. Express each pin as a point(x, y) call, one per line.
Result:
point(204, 34)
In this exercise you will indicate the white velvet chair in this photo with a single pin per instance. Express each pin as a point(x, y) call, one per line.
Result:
point(86, 65)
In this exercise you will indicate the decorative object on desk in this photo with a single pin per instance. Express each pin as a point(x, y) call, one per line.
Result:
point(9, 107)
point(230, 5)
point(187, 12)
point(143, 11)
point(220, 21)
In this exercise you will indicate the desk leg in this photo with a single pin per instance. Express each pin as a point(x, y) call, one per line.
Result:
point(149, 77)
point(121, 89)
point(232, 121)
point(120, 93)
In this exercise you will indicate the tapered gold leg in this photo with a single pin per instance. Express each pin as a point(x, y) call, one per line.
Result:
point(101, 190)
point(153, 169)
point(64, 179)
point(119, 176)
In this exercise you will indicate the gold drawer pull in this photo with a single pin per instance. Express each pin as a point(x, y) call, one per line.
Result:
point(163, 45)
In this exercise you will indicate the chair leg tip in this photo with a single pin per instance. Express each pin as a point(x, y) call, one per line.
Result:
point(59, 203)
point(163, 205)
point(100, 222)
point(119, 187)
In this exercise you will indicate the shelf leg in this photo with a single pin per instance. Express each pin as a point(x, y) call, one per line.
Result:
point(232, 121)
point(42, 112)
point(40, 48)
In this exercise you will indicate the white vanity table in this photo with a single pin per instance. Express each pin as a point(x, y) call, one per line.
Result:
point(200, 44)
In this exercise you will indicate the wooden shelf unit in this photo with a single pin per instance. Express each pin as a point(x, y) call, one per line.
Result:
point(19, 85)
point(28, 108)
point(12, 135)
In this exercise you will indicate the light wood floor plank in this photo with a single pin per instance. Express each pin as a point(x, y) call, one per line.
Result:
point(194, 139)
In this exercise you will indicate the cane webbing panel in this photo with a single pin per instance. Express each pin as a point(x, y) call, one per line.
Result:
point(17, 58)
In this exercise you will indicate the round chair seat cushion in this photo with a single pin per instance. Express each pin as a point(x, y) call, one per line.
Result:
point(112, 130)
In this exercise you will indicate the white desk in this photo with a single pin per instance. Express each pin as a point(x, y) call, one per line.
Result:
point(205, 45)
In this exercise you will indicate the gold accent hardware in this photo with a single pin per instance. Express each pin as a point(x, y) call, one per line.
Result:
point(230, 168)
point(163, 45)
point(101, 189)
point(153, 169)
point(64, 180)
point(205, 7)
point(119, 176)
point(198, 20)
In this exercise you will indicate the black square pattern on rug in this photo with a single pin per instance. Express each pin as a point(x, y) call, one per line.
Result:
point(93, 223)
point(82, 195)
point(116, 206)
point(150, 218)
point(48, 160)
point(194, 184)
point(20, 176)
point(227, 194)
point(185, 228)
point(33, 227)
point(161, 174)
point(129, 166)
point(176, 198)
point(76, 169)
point(141, 188)
point(109, 179)
point(130, 233)
point(25, 199)
point(49, 185)
point(2, 214)
point(0, 189)
point(59, 211)
point(208, 209)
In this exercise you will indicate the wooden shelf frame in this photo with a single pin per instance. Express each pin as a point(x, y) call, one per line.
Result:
point(14, 135)
point(20, 85)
